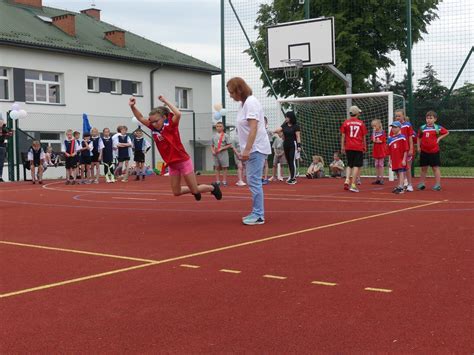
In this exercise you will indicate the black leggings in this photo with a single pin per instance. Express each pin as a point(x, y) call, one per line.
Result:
point(290, 150)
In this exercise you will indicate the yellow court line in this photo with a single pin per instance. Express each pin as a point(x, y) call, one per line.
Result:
point(190, 266)
point(324, 283)
point(74, 251)
point(275, 277)
point(66, 282)
point(216, 250)
point(377, 289)
point(230, 271)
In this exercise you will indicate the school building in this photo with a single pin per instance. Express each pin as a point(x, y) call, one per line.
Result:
point(59, 64)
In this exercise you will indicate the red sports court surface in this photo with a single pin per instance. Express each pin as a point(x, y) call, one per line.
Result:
point(129, 268)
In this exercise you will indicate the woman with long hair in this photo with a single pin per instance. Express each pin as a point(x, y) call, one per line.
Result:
point(291, 143)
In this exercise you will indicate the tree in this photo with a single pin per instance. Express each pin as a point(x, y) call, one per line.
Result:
point(366, 33)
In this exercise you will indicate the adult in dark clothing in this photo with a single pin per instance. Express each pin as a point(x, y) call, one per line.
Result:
point(291, 143)
point(4, 134)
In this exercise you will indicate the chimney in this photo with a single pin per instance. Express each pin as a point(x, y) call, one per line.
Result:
point(95, 13)
point(32, 3)
point(66, 23)
point(117, 37)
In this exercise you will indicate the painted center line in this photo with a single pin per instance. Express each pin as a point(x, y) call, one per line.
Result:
point(230, 271)
point(134, 198)
point(275, 277)
point(377, 289)
point(324, 283)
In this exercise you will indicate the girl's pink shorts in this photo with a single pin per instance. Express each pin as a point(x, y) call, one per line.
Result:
point(181, 168)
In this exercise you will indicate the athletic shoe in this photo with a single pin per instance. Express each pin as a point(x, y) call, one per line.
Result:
point(143, 177)
point(291, 182)
point(253, 220)
point(381, 182)
point(217, 191)
point(265, 182)
point(240, 183)
point(197, 196)
point(137, 178)
point(281, 179)
point(224, 183)
point(248, 216)
point(359, 181)
point(309, 176)
point(346, 186)
point(1, 180)
point(73, 182)
point(376, 182)
point(67, 182)
point(96, 181)
point(40, 182)
point(271, 178)
point(395, 189)
point(409, 188)
point(436, 188)
point(399, 190)
point(421, 186)
point(354, 189)
point(34, 182)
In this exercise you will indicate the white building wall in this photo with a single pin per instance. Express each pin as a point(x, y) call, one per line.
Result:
point(106, 109)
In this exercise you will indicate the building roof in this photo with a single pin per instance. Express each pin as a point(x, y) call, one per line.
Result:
point(20, 25)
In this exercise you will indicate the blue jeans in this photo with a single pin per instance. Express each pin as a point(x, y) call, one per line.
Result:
point(255, 166)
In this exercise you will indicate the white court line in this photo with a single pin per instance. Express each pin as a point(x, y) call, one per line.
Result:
point(133, 198)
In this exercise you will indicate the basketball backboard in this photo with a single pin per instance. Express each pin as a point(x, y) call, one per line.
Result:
point(312, 41)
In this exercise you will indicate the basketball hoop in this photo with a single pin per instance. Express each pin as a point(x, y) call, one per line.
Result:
point(292, 67)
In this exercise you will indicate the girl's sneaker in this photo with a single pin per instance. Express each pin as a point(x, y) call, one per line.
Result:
point(436, 188)
point(354, 188)
point(359, 181)
point(253, 220)
point(421, 186)
point(240, 183)
point(400, 190)
point(409, 188)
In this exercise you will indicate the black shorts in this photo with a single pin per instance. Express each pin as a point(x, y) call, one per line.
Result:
point(355, 158)
point(71, 162)
point(86, 160)
point(123, 159)
point(139, 157)
point(95, 158)
point(430, 159)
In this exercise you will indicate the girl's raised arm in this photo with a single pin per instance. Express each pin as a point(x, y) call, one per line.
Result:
point(173, 108)
point(132, 102)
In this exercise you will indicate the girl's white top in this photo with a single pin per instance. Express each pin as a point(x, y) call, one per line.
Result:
point(252, 110)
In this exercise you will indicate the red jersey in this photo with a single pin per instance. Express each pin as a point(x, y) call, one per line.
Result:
point(354, 131)
point(408, 131)
point(378, 149)
point(428, 136)
point(168, 141)
point(397, 146)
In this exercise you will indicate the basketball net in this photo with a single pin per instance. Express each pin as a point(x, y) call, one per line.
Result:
point(291, 68)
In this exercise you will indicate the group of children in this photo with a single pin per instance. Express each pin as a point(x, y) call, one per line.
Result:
point(399, 146)
point(84, 156)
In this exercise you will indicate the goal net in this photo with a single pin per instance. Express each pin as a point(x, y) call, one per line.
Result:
point(321, 117)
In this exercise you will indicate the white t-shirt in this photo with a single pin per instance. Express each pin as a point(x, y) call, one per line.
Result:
point(252, 110)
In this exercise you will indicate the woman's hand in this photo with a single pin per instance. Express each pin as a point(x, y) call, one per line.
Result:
point(132, 102)
point(245, 155)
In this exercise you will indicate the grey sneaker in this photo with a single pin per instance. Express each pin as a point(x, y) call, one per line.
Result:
point(253, 220)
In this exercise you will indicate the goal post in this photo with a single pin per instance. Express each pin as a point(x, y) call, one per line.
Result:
point(320, 118)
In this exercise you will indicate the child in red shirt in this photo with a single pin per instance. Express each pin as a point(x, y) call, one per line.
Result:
point(409, 133)
point(429, 136)
point(353, 144)
point(164, 124)
point(398, 149)
point(379, 139)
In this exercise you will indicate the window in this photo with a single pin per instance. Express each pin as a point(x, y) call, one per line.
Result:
point(4, 84)
point(51, 138)
point(42, 87)
point(137, 88)
point(115, 87)
point(183, 98)
point(92, 84)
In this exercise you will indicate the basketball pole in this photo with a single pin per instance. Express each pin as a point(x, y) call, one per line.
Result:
point(307, 71)
point(223, 83)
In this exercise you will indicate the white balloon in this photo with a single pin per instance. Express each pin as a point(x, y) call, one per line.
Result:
point(218, 106)
point(223, 112)
point(22, 114)
point(16, 106)
point(15, 114)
